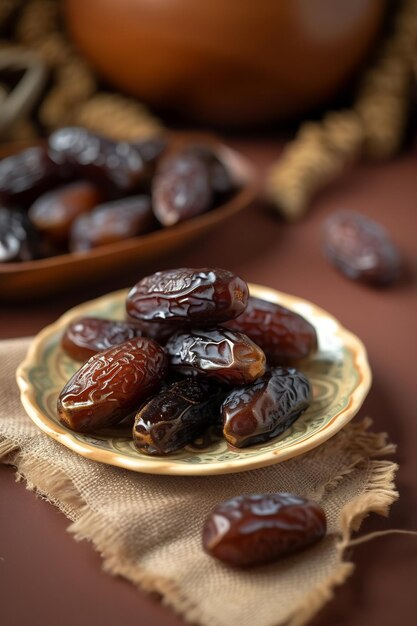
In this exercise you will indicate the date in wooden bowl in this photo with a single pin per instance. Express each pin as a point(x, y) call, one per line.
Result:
point(20, 280)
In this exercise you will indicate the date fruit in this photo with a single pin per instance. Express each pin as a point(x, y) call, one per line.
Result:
point(97, 158)
point(225, 355)
point(158, 331)
point(203, 296)
point(176, 416)
point(54, 212)
point(151, 149)
point(18, 240)
point(181, 188)
point(25, 175)
point(360, 248)
point(260, 528)
point(88, 335)
point(265, 409)
point(220, 178)
point(112, 222)
point(112, 384)
point(282, 334)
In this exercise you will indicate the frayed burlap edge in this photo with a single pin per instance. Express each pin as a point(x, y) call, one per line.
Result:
point(378, 496)
point(58, 489)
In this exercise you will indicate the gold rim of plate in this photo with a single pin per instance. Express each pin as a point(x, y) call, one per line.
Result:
point(339, 372)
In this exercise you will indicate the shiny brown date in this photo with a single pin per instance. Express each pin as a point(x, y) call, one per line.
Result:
point(18, 240)
point(204, 296)
point(151, 149)
point(115, 164)
point(225, 355)
point(181, 188)
point(54, 212)
point(360, 248)
point(260, 528)
point(112, 222)
point(221, 181)
point(112, 384)
point(265, 409)
point(158, 331)
point(176, 416)
point(282, 334)
point(88, 335)
point(25, 175)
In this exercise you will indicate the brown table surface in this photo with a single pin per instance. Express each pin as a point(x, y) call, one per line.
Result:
point(48, 578)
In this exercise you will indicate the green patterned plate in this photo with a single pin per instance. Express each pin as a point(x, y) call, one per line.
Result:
point(339, 372)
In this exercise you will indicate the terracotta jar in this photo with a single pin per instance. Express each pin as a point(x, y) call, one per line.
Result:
point(227, 61)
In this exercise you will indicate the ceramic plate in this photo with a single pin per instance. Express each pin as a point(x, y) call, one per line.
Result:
point(339, 373)
point(69, 271)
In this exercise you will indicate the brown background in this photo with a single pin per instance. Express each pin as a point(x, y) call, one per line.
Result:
point(48, 578)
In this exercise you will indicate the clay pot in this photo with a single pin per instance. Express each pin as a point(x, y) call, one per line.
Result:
point(227, 61)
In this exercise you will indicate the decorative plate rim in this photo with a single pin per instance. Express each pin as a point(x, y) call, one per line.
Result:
point(141, 464)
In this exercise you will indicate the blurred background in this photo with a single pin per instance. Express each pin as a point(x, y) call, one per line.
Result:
point(299, 89)
point(220, 64)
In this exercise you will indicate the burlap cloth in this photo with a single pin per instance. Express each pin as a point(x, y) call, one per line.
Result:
point(148, 528)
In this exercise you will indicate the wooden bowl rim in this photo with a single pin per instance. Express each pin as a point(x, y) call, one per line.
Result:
point(239, 166)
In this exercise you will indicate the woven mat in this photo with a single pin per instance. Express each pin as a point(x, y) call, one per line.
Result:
point(148, 528)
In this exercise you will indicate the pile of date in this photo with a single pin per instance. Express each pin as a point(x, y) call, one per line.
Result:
point(197, 351)
point(80, 190)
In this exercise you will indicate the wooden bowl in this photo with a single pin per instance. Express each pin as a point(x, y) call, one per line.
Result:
point(228, 62)
point(52, 274)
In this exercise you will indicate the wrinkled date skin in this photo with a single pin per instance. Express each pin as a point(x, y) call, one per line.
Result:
point(54, 212)
point(18, 241)
point(260, 528)
point(360, 248)
point(257, 413)
point(225, 355)
point(97, 158)
point(25, 175)
point(181, 188)
point(88, 335)
point(283, 335)
point(204, 296)
point(112, 222)
point(158, 331)
point(176, 416)
point(111, 385)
